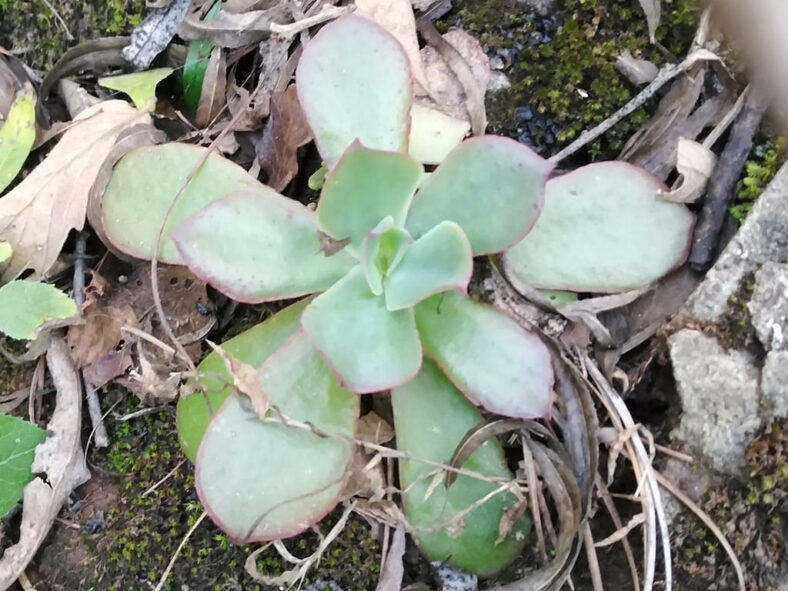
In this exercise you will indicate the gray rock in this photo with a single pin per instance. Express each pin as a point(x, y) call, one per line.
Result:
point(720, 398)
point(774, 383)
point(769, 306)
point(762, 238)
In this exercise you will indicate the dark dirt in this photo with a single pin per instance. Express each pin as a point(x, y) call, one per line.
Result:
point(115, 536)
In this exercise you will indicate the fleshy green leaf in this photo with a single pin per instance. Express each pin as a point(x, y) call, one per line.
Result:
point(353, 82)
point(365, 187)
point(438, 261)
point(139, 86)
point(262, 480)
point(142, 188)
point(433, 134)
point(491, 358)
point(491, 186)
point(381, 252)
point(18, 441)
point(196, 63)
point(26, 306)
point(604, 228)
point(253, 347)
point(17, 135)
point(367, 347)
point(258, 247)
point(431, 418)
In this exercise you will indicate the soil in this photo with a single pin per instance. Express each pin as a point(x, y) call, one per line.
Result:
point(123, 526)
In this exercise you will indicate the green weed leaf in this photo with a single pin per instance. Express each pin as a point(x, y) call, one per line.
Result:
point(26, 306)
point(139, 86)
point(17, 135)
point(18, 441)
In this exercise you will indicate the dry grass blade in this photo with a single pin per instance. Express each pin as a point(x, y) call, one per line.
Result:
point(171, 564)
point(616, 518)
point(593, 560)
point(245, 381)
point(393, 570)
point(212, 96)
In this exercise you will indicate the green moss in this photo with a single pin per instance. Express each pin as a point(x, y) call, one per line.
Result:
point(32, 27)
point(766, 158)
point(572, 81)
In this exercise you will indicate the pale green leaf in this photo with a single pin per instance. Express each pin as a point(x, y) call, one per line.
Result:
point(262, 480)
point(431, 418)
point(143, 186)
point(26, 306)
point(486, 354)
point(365, 187)
point(252, 346)
point(139, 86)
point(438, 261)
point(433, 134)
point(353, 82)
point(18, 441)
point(259, 247)
point(17, 135)
point(604, 228)
point(491, 186)
point(5, 252)
point(368, 348)
point(381, 252)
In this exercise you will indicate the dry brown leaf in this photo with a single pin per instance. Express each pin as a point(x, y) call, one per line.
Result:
point(60, 457)
point(396, 16)
point(100, 331)
point(245, 381)
point(458, 88)
point(109, 366)
point(695, 165)
point(285, 131)
point(374, 429)
point(212, 96)
point(37, 215)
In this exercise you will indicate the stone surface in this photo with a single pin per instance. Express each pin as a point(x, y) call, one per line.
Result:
point(769, 306)
point(763, 238)
point(728, 394)
point(774, 383)
point(720, 398)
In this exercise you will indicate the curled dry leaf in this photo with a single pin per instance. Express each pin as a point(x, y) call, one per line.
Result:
point(396, 16)
point(212, 96)
point(245, 380)
point(393, 568)
point(37, 215)
point(230, 30)
point(695, 165)
point(109, 366)
point(285, 131)
point(458, 72)
point(374, 429)
point(60, 457)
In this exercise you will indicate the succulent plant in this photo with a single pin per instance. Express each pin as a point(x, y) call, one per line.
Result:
point(391, 311)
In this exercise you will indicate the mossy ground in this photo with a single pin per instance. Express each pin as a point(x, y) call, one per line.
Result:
point(31, 29)
point(561, 67)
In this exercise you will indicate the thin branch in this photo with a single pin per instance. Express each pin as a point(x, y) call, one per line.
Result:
point(185, 539)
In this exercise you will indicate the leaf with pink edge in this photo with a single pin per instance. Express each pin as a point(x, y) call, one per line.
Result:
point(252, 346)
point(604, 228)
point(258, 247)
point(144, 183)
point(367, 347)
point(438, 261)
point(365, 187)
point(264, 480)
point(354, 82)
point(492, 359)
point(431, 418)
point(491, 186)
